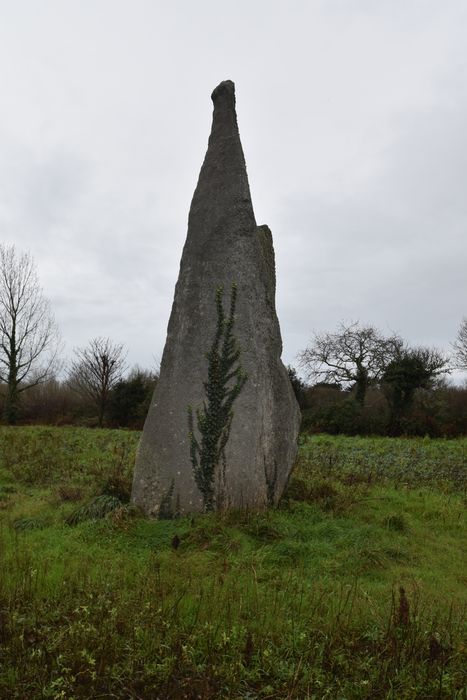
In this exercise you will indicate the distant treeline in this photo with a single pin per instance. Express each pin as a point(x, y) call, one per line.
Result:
point(369, 383)
point(361, 381)
point(58, 403)
point(436, 412)
point(326, 408)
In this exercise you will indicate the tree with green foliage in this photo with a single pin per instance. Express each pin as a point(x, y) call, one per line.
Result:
point(29, 337)
point(224, 383)
point(130, 398)
point(412, 369)
point(298, 385)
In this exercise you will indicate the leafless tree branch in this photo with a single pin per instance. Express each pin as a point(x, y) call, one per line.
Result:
point(353, 354)
point(29, 337)
point(95, 371)
point(460, 346)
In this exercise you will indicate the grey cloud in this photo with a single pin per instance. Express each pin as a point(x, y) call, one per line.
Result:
point(352, 117)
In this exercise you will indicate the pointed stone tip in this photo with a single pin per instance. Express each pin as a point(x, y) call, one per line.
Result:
point(224, 94)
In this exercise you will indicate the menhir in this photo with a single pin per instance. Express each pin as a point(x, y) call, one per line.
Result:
point(224, 250)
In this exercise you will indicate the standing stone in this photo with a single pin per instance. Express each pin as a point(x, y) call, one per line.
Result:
point(224, 246)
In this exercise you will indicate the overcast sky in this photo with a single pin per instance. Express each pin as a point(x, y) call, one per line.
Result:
point(353, 121)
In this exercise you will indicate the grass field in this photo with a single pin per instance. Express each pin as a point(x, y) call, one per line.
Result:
point(355, 587)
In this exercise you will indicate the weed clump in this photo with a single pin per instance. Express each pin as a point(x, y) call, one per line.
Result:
point(397, 523)
point(22, 524)
point(96, 509)
point(69, 493)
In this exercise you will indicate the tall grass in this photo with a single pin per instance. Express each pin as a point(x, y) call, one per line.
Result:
point(353, 588)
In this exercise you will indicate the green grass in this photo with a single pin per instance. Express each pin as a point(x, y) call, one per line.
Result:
point(355, 587)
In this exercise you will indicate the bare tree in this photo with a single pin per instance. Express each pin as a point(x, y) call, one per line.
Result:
point(460, 346)
point(95, 370)
point(353, 355)
point(29, 338)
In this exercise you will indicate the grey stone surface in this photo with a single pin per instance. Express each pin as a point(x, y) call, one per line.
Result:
point(223, 246)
